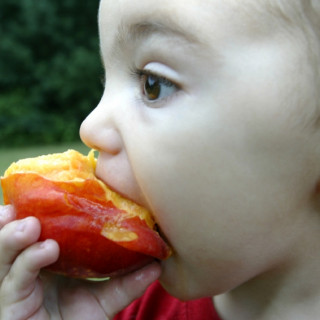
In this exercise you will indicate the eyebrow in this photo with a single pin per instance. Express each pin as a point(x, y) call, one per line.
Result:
point(145, 29)
point(132, 33)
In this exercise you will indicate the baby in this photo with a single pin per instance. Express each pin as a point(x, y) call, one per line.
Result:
point(210, 119)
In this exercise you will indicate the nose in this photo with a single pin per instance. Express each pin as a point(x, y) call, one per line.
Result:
point(98, 131)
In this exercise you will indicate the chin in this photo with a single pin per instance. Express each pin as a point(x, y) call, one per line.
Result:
point(186, 284)
point(175, 280)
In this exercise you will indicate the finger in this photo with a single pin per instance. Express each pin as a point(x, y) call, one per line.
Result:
point(22, 291)
point(28, 308)
point(115, 295)
point(7, 214)
point(14, 237)
point(78, 302)
point(26, 268)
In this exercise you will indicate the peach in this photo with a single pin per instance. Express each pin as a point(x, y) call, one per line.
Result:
point(99, 232)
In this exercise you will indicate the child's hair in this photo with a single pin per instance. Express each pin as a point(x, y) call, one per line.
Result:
point(300, 21)
point(292, 14)
point(303, 16)
point(293, 11)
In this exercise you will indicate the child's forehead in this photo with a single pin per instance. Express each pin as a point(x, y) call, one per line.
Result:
point(169, 6)
point(246, 13)
point(198, 16)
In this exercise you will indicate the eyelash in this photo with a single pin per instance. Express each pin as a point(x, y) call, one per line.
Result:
point(140, 75)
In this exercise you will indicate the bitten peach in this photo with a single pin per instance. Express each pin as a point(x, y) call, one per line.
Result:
point(100, 233)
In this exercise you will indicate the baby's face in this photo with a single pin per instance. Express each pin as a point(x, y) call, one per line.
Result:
point(207, 120)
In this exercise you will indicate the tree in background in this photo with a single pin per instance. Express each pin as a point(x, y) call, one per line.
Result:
point(49, 69)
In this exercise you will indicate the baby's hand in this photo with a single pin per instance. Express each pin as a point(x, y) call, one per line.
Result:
point(25, 294)
point(21, 258)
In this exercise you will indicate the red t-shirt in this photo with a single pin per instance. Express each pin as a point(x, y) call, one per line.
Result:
point(157, 304)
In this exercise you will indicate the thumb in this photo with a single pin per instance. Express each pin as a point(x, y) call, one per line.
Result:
point(118, 293)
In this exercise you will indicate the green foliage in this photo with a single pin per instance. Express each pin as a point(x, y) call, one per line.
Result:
point(49, 69)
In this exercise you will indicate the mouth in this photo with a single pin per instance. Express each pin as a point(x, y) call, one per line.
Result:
point(119, 178)
point(164, 237)
point(122, 182)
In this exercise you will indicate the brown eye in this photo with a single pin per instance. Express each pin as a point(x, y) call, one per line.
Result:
point(155, 87)
point(152, 87)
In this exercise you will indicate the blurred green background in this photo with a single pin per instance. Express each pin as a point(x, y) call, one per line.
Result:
point(50, 75)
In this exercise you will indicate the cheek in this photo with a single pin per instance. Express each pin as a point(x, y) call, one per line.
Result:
point(225, 191)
